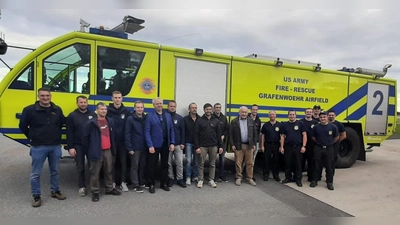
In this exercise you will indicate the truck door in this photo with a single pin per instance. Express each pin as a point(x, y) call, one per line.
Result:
point(20, 93)
point(67, 70)
point(377, 109)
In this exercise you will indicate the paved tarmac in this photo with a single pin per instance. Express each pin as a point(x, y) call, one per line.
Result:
point(267, 199)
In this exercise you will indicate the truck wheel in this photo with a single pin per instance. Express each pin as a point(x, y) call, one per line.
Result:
point(349, 149)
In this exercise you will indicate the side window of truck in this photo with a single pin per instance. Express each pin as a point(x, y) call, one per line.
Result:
point(117, 69)
point(24, 81)
point(67, 69)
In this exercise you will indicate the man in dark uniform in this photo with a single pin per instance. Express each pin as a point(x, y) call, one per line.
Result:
point(270, 137)
point(293, 143)
point(324, 135)
point(316, 110)
point(342, 135)
point(308, 156)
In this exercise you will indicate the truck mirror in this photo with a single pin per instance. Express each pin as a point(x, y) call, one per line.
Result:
point(3, 47)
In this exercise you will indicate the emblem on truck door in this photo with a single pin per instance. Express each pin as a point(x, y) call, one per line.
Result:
point(147, 86)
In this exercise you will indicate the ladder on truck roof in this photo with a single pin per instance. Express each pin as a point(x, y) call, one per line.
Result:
point(376, 74)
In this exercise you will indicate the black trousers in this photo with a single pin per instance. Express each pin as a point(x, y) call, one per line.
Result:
point(81, 154)
point(152, 160)
point(121, 158)
point(294, 157)
point(271, 158)
point(335, 155)
point(324, 158)
point(309, 157)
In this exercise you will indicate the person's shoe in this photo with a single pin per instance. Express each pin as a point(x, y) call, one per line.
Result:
point(138, 189)
point(276, 177)
point(330, 186)
point(82, 192)
point(181, 183)
point(200, 184)
point(238, 182)
point(299, 184)
point(188, 182)
point(212, 184)
point(285, 181)
point(146, 186)
point(124, 187)
point(252, 182)
point(164, 187)
point(58, 195)
point(152, 190)
point(170, 182)
point(195, 179)
point(114, 185)
point(37, 201)
point(222, 178)
point(313, 184)
point(265, 177)
point(95, 197)
point(113, 192)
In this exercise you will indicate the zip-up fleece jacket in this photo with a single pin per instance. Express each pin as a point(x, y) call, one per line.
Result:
point(134, 133)
point(189, 128)
point(119, 117)
point(223, 122)
point(76, 121)
point(40, 126)
point(179, 126)
point(207, 133)
point(91, 138)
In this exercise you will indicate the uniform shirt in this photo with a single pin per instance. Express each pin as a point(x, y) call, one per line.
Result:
point(325, 134)
point(308, 126)
point(339, 126)
point(293, 132)
point(271, 131)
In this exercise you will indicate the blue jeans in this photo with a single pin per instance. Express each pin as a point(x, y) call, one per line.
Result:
point(39, 155)
point(191, 171)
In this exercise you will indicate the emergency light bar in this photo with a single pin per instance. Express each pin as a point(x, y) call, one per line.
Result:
point(108, 33)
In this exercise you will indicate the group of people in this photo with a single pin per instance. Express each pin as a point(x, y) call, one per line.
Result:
point(113, 133)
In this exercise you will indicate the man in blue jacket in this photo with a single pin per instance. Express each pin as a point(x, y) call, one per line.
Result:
point(99, 138)
point(118, 112)
point(160, 139)
point(41, 123)
point(136, 146)
point(177, 154)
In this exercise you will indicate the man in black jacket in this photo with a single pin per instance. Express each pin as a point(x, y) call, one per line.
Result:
point(76, 120)
point(42, 123)
point(257, 123)
point(192, 171)
point(99, 138)
point(225, 131)
point(119, 113)
point(207, 140)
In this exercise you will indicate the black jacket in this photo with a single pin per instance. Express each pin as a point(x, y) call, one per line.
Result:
point(76, 121)
point(207, 133)
point(119, 117)
point(257, 124)
point(134, 133)
point(223, 122)
point(235, 137)
point(189, 128)
point(40, 126)
point(91, 138)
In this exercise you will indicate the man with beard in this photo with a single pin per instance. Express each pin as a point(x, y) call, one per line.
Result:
point(207, 141)
point(225, 131)
point(342, 135)
point(76, 121)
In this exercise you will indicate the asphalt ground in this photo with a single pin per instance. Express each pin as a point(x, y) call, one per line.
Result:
point(267, 199)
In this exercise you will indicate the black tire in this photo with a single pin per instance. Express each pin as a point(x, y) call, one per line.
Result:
point(349, 149)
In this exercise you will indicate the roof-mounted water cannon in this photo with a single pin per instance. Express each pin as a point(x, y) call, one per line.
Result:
point(129, 25)
point(375, 73)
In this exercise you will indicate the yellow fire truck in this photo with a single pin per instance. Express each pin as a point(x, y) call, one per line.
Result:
point(96, 61)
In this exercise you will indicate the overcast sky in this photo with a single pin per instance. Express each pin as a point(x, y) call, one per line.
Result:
point(334, 38)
